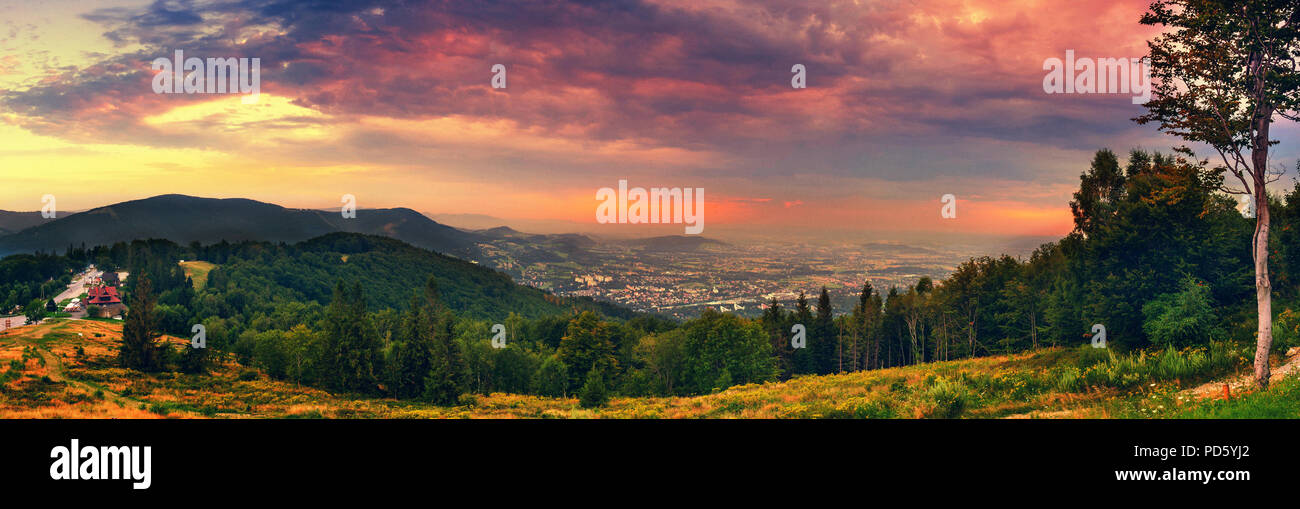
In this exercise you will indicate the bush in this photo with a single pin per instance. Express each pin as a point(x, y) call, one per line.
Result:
point(195, 361)
point(593, 393)
point(1181, 319)
point(247, 375)
point(1188, 364)
point(1286, 331)
point(947, 398)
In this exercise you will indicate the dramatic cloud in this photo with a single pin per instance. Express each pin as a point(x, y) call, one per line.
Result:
point(927, 96)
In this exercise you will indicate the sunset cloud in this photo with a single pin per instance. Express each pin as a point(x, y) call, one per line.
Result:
point(905, 99)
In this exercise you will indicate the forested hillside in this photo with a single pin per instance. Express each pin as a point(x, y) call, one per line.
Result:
point(1156, 259)
point(185, 219)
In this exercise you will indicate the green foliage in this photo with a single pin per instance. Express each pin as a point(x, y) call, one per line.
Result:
point(1123, 371)
point(351, 342)
point(27, 277)
point(1183, 318)
point(551, 379)
point(663, 357)
point(1286, 331)
point(446, 380)
point(194, 361)
point(1278, 402)
point(593, 393)
point(947, 398)
point(411, 354)
point(718, 344)
point(588, 344)
point(254, 276)
point(140, 348)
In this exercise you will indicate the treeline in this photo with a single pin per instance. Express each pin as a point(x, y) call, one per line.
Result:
point(426, 352)
point(1155, 258)
point(30, 280)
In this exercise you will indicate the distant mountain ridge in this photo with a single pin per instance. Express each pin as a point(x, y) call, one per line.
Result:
point(184, 219)
point(14, 222)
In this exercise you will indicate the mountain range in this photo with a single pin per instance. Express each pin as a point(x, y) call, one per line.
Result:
point(185, 219)
point(14, 222)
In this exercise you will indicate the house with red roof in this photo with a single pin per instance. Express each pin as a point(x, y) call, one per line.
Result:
point(106, 298)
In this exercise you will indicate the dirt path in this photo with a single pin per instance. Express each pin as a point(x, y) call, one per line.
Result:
point(55, 370)
point(1290, 367)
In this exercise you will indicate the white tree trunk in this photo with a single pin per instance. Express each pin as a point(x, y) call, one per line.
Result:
point(1263, 289)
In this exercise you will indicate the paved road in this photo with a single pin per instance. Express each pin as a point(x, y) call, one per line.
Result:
point(9, 322)
point(78, 286)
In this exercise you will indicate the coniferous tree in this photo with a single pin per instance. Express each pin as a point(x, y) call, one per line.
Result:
point(862, 320)
point(140, 350)
point(447, 376)
point(776, 324)
point(194, 360)
point(351, 341)
point(593, 393)
point(824, 343)
point(412, 353)
point(802, 359)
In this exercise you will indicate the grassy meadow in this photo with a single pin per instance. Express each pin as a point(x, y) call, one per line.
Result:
point(198, 271)
point(66, 369)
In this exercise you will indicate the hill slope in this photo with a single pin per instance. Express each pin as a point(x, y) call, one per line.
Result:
point(184, 219)
point(391, 272)
point(13, 222)
point(42, 375)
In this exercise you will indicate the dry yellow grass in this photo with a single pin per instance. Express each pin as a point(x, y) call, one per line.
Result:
point(78, 378)
point(198, 271)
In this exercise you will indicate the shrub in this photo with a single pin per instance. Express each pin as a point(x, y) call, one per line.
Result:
point(1286, 331)
point(247, 375)
point(947, 399)
point(593, 393)
point(1069, 379)
point(1183, 318)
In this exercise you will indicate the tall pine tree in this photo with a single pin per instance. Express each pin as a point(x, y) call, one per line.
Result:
point(140, 349)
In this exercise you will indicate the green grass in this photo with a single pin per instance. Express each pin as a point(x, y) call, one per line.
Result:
point(198, 272)
point(1105, 368)
point(1281, 401)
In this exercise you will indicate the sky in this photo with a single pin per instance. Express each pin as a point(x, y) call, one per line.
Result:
point(391, 102)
